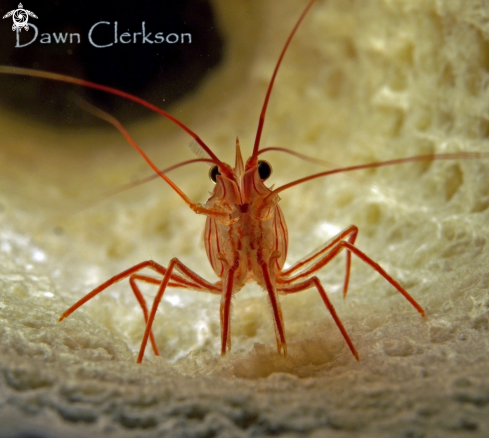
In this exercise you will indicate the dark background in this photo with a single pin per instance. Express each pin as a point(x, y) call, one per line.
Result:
point(159, 73)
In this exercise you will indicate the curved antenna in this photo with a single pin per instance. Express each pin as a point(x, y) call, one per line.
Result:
point(297, 155)
point(261, 121)
point(139, 182)
point(415, 159)
point(107, 117)
point(64, 78)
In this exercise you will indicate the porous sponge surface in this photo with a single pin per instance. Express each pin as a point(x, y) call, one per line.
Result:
point(363, 81)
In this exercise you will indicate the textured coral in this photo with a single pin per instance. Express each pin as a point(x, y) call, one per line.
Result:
point(363, 81)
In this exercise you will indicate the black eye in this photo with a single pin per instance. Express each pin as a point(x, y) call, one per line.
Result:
point(213, 172)
point(264, 170)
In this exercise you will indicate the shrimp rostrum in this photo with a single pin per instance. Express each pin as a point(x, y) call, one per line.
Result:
point(245, 233)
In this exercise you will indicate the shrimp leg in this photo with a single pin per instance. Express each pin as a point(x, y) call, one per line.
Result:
point(275, 304)
point(188, 280)
point(334, 249)
point(315, 282)
point(169, 275)
point(349, 233)
point(182, 283)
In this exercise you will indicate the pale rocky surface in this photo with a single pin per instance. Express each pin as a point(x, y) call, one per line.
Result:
point(364, 81)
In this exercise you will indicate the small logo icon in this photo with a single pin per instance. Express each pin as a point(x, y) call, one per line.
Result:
point(20, 17)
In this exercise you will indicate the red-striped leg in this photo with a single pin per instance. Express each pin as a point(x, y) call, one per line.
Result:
point(333, 252)
point(115, 279)
point(225, 310)
point(275, 304)
point(187, 279)
point(142, 303)
point(349, 234)
point(182, 283)
point(169, 275)
point(314, 281)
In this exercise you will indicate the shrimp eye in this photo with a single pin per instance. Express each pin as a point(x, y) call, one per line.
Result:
point(264, 170)
point(213, 172)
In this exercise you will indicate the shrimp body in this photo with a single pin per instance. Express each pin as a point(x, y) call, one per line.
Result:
point(254, 231)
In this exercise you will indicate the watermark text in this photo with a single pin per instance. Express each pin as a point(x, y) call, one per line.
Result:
point(102, 35)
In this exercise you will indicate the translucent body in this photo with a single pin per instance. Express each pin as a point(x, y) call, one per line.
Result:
point(255, 229)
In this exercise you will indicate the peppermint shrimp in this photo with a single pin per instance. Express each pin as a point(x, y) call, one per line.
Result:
point(245, 235)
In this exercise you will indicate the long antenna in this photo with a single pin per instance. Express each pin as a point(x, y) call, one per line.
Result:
point(272, 81)
point(415, 159)
point(64, 78)
point(107, 117)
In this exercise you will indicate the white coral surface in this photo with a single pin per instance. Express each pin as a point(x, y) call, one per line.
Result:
point(363, 81)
